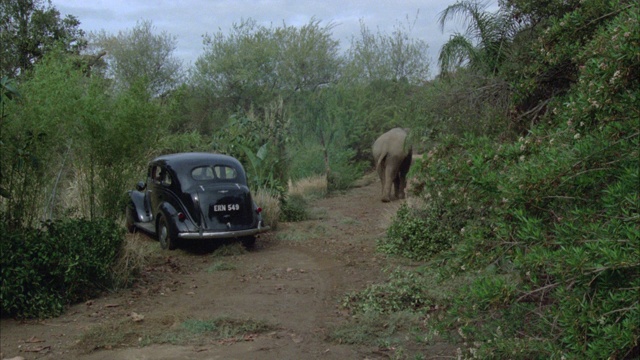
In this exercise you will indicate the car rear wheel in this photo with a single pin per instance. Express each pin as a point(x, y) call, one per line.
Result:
point(249, 241)
point(167, 242)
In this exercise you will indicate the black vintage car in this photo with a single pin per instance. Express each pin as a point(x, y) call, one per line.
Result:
point(195, 196)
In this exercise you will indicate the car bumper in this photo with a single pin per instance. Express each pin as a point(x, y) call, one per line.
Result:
point(222, 234)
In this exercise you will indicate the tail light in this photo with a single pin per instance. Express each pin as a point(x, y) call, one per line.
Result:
point(182, 216)
point(258, 210)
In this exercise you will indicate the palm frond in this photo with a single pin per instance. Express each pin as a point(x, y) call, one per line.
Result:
point(456, 52)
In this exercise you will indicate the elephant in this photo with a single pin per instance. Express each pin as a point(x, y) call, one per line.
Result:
point(393, 160)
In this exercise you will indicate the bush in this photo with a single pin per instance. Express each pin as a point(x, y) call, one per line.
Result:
point(62, 263)
point(294, 208)
point(405, 291)
point(557, 246)
point(416, 234)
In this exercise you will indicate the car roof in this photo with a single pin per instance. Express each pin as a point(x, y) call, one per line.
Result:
point(189, 159)
point(185, 162)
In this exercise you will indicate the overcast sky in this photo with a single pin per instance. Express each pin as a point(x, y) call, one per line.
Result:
point(188, 20)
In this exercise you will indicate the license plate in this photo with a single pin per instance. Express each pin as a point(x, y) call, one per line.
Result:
point(226, 207)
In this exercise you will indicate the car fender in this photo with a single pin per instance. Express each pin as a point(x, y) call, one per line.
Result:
point(175, 225)
point(141, 212)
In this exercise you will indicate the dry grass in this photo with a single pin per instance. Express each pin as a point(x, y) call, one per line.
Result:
point(367, 179)
point(270, 207)
point(309, 188)
point(136, 254)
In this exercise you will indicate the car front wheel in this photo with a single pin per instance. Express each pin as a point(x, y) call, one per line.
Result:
point(167, 242)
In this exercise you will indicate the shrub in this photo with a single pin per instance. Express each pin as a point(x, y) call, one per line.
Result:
point(64, 262)
point(294, 208)
point(405, 291)
point(344, 170)
point(416, 234)
point(557, 246)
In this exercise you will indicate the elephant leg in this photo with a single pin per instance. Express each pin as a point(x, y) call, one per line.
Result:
point(402, 175)
point(390, 173)
point(398, 186)
point(380, 169)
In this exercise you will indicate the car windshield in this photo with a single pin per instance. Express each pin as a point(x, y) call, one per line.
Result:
point(217, 172)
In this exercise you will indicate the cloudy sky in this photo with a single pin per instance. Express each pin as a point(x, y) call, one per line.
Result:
point(188, 20)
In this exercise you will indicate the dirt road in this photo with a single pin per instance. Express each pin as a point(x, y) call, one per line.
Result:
point(293, 281)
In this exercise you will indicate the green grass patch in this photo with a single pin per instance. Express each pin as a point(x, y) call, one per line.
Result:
point(232, 248)
point(170, 329)
point(221, 266)
point(302, 232)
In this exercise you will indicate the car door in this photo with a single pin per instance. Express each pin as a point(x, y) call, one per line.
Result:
point(159, 181)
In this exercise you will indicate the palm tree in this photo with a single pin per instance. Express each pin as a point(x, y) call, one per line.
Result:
point(483, 46)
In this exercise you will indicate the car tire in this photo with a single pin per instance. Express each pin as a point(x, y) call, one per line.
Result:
point(167, 242)
point(249, 242)
point(130, 219)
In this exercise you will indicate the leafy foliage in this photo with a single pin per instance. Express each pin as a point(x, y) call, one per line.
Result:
point(551, 220)
point(395, 57)
point(294, 208)
point(484, 46)
point(404, 291)
point(140, 56)
point(417, 234)
point(44, 270)
point(543, 229)
point(32, 28)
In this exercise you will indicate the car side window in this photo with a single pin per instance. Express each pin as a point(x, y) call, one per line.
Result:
point(161, 176)
point(166, 178)
point(155, 174)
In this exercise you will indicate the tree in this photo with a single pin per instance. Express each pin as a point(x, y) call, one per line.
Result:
point(308, 56)
point(388, 57)
point(252, 66)
point(139, 55)
point(485, 43)
point(31, 28)
point(240, 67)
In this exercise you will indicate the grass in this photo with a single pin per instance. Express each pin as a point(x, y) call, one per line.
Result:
point(349, 221)
point(270, 207)
point(171, 329)
point(402, 314)
point(137, 253)
point(232, 248)
point(220, 266)
point(298, 194)
point(309, 188)
point(302, 231)
point(383, 330)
